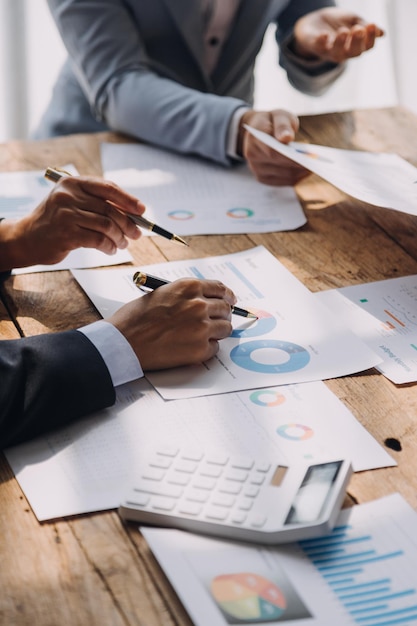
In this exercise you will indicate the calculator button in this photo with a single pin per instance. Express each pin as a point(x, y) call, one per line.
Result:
point(230, 487)
point(213, 471)
point(197, 495)
point(189, 508)
point(204, 483)
point(189, 467)
point(163, 504)
point(257, 479)
point(242, 463)
point(192, 455)
point(178, 478)
point(217, 513)
point(217, 459)
point(161, 461)
point(263, 466)
point(236, 474)
point(238, 517)
point(245, 504)
point(251, 491)
point(222, 500)
point(141, 499)
point(257, 521)
point(153, 473)
point(159, 489)
point(168, 450)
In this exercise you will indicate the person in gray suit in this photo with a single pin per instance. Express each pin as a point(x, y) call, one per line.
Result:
point(180, 73)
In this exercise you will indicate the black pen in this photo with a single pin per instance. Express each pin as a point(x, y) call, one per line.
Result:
point(153, 282)
point(55, 174)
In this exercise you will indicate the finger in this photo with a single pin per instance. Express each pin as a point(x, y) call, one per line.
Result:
point(336, 49)
point(284, 125)
point(96, 229)
point(217, 289)
point(357, 42)
point(107, 190)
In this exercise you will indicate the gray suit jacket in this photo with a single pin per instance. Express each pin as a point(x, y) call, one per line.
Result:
point(136, 67)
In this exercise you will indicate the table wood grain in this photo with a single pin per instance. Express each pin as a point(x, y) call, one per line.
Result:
point(97, 570)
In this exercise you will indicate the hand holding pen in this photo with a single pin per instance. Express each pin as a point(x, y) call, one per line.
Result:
point(76, 213)
point(56, 174)
point(180, 323)
point(153, 282)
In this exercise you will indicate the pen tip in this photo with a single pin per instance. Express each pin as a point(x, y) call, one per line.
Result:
point(180, 240)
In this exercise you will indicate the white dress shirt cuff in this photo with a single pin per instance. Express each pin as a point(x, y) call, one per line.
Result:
point(115, 350)
point(232, 134)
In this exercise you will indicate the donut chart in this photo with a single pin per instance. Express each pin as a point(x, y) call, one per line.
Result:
point(181, 215)
point(267, 397)
point(297, 357)
point(240, 213)
point(248, 597)
point(295, 432)
point(264, 324)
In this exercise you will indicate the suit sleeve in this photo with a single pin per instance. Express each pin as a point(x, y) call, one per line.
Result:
point(47, 381)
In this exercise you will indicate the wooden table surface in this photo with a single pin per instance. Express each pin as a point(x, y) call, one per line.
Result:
point(96, 570)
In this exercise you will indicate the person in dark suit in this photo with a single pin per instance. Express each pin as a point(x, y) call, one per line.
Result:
point(49, 380)
point(180, 73)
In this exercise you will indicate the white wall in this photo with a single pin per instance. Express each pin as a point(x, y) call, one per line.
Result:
point(379, 78)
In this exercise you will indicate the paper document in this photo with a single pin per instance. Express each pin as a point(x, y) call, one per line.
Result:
point(296, 338)
point(20, 194)
point(363, 573)
point(89, 465)
point(382, 179)
point(189, 196)
point(384, 315)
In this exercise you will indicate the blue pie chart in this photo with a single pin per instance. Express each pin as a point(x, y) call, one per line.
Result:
point(264, 324)
point(244, 355)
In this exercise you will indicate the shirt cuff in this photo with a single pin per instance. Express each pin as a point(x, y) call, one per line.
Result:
point(115, 350)
point(232, 134)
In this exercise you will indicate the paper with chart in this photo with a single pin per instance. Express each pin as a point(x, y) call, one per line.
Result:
point(20, 193)
point(363, 573)
point(88, 465)
point(384, 315)
point(296, 338)
point(382, 179)
point(189, 196)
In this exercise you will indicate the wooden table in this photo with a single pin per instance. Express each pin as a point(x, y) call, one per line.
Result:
point(94, 569)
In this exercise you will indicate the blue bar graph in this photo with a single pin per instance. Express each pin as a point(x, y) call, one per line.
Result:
point(363, 577)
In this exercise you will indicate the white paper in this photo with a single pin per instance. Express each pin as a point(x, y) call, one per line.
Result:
point(20, 194)
point(189, 196)
point(384, 315)
point(364, 573)
point(89, 465)
point(382, 179)
point(296, 338)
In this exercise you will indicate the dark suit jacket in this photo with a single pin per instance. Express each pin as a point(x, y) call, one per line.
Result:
point(47, 381)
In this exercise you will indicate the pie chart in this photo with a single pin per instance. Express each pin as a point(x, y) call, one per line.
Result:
point(248, 597)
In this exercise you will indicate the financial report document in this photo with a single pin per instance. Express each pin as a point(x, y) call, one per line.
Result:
point(381, 179)
point(89, 465)
point(20, 194)
point(363, 573)
point(384, 315)
point(295, 338)
point(191, 196)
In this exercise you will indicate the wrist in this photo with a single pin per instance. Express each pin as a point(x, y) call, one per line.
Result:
point(11, 246)
point(244, 120)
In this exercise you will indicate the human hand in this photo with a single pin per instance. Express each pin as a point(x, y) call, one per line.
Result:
point(180, 323)
point(80, 211)
point(333, 34)
point(267, 165)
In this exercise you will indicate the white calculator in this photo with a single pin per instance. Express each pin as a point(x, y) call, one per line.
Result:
point(237, 497)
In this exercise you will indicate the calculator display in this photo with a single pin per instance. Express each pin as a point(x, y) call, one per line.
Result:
point(313, 493)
